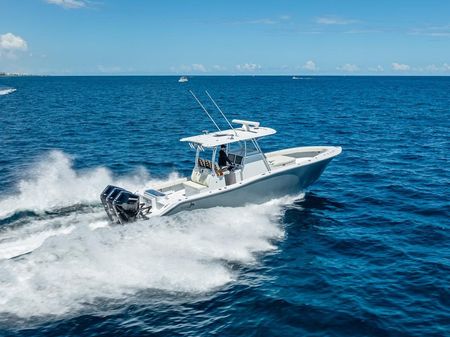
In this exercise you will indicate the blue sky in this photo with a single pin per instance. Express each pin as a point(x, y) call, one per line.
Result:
point(90, 37)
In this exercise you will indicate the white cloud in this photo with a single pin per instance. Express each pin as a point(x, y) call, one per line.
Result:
point(349, 68)
point(433, 68)
point(435, 31)
point(400, 67)
point(310, 65)
point(68, 3)
point(12, 42)
point(199, 67)
point(248, 67)
point(334, 20)
point(378, 69)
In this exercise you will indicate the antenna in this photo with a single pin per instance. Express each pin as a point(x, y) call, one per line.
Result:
point(231, 126)
point(204, 109)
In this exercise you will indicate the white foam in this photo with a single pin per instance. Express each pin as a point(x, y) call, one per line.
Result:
point(23, 239)
point(187, 252)
point(74, 258)
point(53, 183)
point(6, 91)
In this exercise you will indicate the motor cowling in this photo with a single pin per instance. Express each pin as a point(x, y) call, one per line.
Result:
point(126, 205)
point(120, 205)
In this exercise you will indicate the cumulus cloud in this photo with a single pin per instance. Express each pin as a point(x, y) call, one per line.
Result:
point(433, 68)
point(10, 44)
point(310, 65)
point(334, 20)
point(400, 67)
point(71, 4)
point(248, 67)
point(199, 67)
point(348, 68)
point(9, 41)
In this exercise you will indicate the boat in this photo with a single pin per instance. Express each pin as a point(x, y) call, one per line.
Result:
point(6, 91)
point(252, 177)
point(183, 79)
point(296, 78)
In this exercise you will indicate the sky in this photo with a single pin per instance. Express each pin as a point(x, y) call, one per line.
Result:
point(225, 37)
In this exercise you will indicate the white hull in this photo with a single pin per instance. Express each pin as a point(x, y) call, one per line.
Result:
point(289, 181)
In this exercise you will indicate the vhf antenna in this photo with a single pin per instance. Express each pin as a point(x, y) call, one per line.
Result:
point(204, 109)
point(220, 110)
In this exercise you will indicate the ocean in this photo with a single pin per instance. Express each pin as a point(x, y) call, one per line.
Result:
point(364, 252)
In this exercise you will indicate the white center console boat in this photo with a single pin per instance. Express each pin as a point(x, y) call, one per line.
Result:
point(253, 177)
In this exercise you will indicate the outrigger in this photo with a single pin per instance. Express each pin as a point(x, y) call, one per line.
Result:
point(253, 177)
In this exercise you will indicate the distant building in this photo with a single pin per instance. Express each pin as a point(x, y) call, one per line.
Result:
point(13, 74)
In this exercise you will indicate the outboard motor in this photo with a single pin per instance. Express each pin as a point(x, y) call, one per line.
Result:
point(126, 205)
point(120, 205)
point(113, 191)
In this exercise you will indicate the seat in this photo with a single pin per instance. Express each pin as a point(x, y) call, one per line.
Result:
point(280, 160)
point(218, 170)
point(192, 187)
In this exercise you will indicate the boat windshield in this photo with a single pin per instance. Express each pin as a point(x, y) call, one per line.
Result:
point(236, 149)
point(245, 148)
point(250, 148)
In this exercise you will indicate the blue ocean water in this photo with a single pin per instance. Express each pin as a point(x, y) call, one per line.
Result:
point(365, 252)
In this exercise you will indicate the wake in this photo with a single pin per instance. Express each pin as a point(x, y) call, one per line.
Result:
point(7, 91)
point(58, 262)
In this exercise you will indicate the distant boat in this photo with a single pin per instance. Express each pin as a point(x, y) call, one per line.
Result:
point(183, 79)
point(6, 91)
point(300, 78)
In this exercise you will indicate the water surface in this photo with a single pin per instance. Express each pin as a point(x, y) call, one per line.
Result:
point(365, 253)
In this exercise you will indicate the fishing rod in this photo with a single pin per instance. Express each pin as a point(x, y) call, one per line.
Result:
point(220, 110)
point(204, 109)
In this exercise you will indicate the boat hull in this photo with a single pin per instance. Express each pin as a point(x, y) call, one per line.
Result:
point(265, 188)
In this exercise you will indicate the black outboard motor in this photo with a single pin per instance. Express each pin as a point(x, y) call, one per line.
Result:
point(120, 205)
point(104, 198)
point(126, 205)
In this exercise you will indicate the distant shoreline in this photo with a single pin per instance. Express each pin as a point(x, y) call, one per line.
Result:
point(20, 75)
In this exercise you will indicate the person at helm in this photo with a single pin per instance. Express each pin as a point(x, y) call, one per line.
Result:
point(223, 158)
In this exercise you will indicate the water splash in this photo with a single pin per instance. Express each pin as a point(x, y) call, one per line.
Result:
point(6, 91)
point(54, 265)
point(53, 184)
